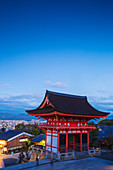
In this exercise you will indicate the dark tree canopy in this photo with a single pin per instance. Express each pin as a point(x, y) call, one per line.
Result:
point(93, 135)
point(32, 129)
point(106, 122)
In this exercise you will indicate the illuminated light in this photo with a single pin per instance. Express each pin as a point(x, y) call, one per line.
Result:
point(42, 143)
point(1, 146)
point(5, 149)
point(23, 140)
point(3, 142)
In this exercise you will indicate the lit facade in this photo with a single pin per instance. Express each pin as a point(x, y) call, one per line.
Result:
point(13, 139)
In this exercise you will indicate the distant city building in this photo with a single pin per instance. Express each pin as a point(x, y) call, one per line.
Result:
point(6, 125)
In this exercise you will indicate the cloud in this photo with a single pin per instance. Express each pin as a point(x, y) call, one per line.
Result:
point(5, 85)
point(103, 91)
point(57, 84)
point(19, 103)
point(102, 103)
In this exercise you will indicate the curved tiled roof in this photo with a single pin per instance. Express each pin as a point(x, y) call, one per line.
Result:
point(47, 109)
point(39, 138)
point(9, 134)
point(68, 104)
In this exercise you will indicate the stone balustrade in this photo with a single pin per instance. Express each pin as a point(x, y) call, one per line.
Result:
point(56, 156)
point(94, 151)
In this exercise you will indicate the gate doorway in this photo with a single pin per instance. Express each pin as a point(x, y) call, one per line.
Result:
point(62, 143)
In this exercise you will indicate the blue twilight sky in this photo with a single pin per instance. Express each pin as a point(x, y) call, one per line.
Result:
point(59, 45)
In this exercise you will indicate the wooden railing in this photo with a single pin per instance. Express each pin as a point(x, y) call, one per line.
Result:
point(67, 127)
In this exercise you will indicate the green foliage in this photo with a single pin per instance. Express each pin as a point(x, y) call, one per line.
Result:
point(1, 132)
point(106, 122)
point(30, 142)
point(91, 123)
point(32, 129)
point(93, 135)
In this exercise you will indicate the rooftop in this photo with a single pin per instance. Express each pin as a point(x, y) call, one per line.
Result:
point(11, 133)
point(39, 138)
point(66, 104)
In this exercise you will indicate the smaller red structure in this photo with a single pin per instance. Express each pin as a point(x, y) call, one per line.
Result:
point(67, 121)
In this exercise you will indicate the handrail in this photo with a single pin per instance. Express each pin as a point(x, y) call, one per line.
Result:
point(68, 127)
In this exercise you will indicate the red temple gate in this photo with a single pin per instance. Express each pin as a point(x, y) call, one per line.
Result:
point(67, 121)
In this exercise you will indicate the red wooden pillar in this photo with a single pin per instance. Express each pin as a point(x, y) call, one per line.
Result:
point(66, 141)
point(58, 142)
point(74, 142)
point(51, 139)
point(87, 140)
point(81, 141)
point(45, 138)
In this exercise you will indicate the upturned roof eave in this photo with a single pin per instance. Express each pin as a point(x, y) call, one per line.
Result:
point(66, 114)
point(36, 112)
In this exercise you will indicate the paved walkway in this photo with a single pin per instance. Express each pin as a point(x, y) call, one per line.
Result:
point(81, 164)
point(106, 156)
point(1, 163)
point(4, 159)
point(10, 162)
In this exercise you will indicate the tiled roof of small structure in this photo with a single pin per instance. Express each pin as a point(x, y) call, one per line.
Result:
point(9, 134)
point(68, 104)
point(39, 138)
point(105, 131)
